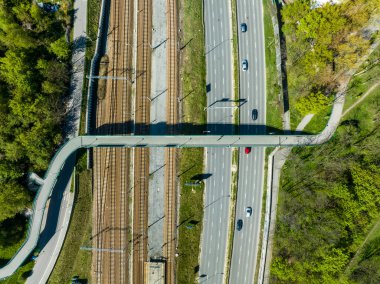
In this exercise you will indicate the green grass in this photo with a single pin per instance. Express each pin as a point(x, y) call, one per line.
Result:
point(193, 81)
point(73, 261)
point(193, 73)
point(316, 124)
point(360, 83)
point(191, 212)
point(274, 105)
point(93, 12)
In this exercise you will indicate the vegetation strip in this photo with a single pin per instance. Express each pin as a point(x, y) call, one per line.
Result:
point(235, 56)
point(232, 210)
point(262, 247)
point(235, 151)
point(193, 81)
point(273, 89)
point(72, 261)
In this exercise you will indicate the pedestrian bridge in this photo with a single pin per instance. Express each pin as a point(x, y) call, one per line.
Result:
point(135, 141)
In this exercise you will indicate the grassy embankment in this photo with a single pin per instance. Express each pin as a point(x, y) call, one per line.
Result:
point(329, 201)
point(364, 267)
point(193, 75)
point(273, 91)
point(73, 261)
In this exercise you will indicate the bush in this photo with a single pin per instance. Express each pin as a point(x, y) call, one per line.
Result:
point(313, 103)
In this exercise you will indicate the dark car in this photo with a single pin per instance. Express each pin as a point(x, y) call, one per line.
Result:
point(243, 27)
point(255, 114)
point(247, 150)
point(244, 65)
point(239, 225)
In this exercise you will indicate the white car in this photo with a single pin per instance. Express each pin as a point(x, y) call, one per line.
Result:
point(248, 212)
point(244, 65)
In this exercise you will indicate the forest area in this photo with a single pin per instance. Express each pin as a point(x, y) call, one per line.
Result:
point(322, 44)
point(328, 202)
point(328, 215)
point(34, 82)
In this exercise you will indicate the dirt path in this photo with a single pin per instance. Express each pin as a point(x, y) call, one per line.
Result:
point(356, 256)
point(369, 91)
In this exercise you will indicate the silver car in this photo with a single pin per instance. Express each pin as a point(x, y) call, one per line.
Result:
point(244, 65)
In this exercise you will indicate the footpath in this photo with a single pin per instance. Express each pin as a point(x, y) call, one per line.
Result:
point(57, 217)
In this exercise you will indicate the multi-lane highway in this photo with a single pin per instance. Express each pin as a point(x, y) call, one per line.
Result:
point(219, 86)
point(251, 166)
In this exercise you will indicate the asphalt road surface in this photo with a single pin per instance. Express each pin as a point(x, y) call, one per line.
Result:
point(251, 166)
point(219, 116)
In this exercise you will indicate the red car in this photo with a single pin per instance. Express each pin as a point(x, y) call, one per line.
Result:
point(247, 150)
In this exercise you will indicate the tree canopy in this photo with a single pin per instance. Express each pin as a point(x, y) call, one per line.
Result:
point(34, 80)
point(322, 43)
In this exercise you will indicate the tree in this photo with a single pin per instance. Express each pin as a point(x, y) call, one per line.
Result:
point(60, 48)
point(16, 69)
point(313, 103)
point(13, 199)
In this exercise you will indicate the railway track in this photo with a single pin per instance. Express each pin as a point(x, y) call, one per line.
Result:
point(142, 120)
point(171, 153)
point(111, 166)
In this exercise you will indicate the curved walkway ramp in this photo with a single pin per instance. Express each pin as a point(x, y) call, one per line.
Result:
point(71, 146)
